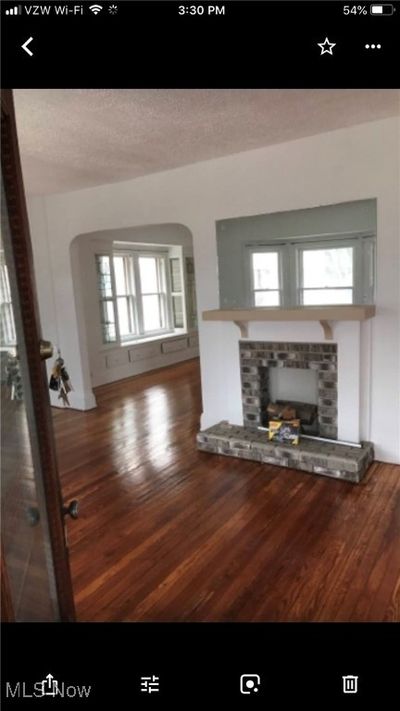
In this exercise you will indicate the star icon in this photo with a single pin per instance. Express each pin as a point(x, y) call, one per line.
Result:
point(326, 46)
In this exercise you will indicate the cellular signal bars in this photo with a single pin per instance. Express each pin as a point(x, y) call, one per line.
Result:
point(16, 10)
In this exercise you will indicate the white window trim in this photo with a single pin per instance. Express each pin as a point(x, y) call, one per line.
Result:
point(290, 272)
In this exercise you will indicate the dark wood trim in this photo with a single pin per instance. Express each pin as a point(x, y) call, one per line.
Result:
point(7, 610)
point(40, 420)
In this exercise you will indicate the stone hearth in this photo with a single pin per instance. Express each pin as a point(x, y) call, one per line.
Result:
point(329, 459)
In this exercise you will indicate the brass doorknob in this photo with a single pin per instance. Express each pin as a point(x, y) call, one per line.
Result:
point(46, 349)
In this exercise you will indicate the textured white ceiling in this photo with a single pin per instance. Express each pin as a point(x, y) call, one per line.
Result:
point(72, 139)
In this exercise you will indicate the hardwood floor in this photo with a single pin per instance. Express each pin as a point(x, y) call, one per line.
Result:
point(167, 533)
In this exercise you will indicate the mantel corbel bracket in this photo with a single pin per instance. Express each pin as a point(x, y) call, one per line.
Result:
point(243, 327)
point(327, 329)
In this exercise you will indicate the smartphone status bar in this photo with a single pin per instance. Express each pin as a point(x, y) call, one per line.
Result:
point(253, 44)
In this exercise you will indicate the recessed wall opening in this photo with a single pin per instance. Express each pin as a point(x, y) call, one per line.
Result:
point(136, 299)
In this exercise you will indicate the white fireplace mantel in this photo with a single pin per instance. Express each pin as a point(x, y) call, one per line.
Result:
point(323, 314)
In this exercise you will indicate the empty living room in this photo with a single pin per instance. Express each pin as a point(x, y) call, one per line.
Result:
point(200, 373)
point(227, 317)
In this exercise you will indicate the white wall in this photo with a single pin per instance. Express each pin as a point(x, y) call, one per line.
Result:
point(350, 164)
point(57, 306)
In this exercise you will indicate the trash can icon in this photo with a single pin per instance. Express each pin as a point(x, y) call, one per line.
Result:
point(350, 684)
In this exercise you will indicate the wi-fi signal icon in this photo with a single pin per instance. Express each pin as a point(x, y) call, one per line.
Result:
point(96, 9)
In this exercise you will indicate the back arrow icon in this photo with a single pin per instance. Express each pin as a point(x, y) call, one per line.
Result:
point(25, 46)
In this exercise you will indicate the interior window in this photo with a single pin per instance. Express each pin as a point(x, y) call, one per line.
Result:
point(313, 272)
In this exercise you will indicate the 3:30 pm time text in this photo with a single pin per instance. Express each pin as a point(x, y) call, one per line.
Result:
point(201, 10)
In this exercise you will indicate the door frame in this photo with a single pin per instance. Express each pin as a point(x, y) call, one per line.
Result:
point(49, 488)
point(7, 610)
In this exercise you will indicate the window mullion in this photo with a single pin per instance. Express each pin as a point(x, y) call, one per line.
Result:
point(358, 273)
point(288, 275)
point(169, 318)
point(183, 296)
point(297, 266)
point(164, 306)
point(369, 279)
point(133, 314)
point(132, 295)
point(164, 290)
point(127, 275)
point(327, 288)
point(138, 291)
point(252, 287)
point(114, 300)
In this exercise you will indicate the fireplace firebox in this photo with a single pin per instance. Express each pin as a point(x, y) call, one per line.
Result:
point(257, 358)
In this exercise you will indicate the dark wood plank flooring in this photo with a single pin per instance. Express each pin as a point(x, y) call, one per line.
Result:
point(167, 533)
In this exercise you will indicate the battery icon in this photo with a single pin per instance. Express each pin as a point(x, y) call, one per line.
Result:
point(381, 9)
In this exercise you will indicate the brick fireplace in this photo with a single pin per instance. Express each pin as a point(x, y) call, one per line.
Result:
point(329, 458)
point(258, 357)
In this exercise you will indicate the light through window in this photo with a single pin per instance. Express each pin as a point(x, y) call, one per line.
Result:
point(327, 276)
point(152, 284)
point(266, 278)
point(7, 326)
